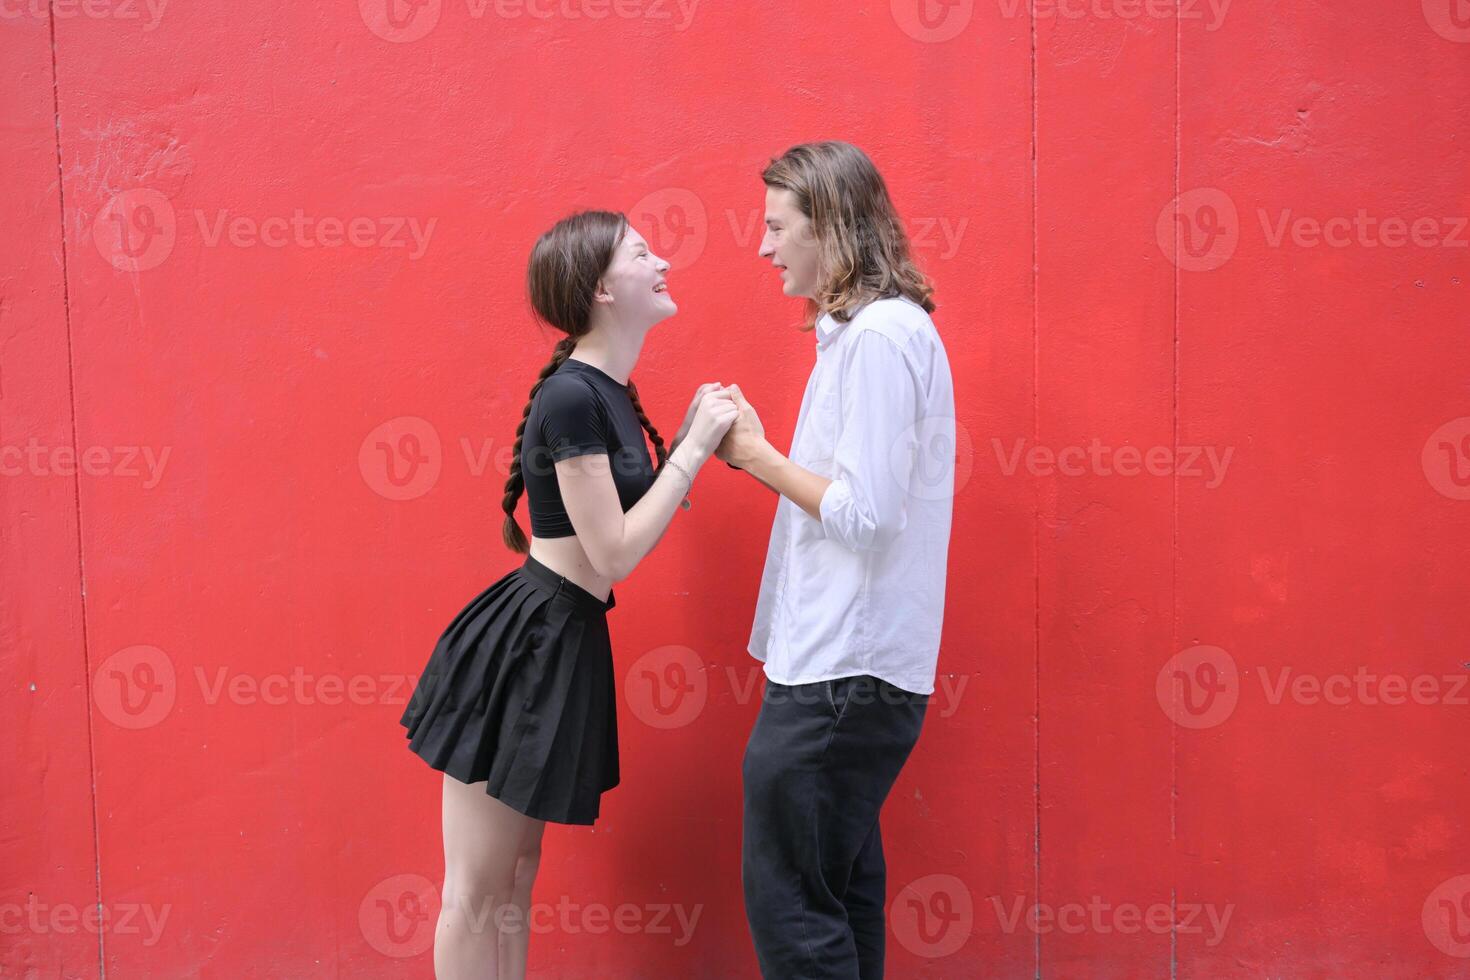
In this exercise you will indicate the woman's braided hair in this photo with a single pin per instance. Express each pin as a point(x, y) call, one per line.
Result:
point(565, 266)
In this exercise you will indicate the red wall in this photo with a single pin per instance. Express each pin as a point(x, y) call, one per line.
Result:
point(206, 652)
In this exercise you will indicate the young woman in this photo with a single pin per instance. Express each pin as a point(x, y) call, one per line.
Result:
point(516, 705)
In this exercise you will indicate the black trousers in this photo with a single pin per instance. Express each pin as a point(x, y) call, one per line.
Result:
point(819, 764)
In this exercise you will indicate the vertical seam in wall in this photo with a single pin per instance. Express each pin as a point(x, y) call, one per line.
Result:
point(77, 489)
point(1035, 493)
point(1174, 539)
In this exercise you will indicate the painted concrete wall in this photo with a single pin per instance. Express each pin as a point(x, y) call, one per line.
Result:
point(263, 342)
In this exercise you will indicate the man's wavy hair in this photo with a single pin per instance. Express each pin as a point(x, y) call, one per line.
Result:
point(862, 248)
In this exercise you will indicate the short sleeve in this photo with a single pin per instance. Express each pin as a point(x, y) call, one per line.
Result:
point(573, 420)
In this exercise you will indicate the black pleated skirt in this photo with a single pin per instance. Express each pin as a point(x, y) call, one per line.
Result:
point(519, 694)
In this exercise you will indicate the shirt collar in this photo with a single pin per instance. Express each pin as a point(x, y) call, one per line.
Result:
point(828, 327)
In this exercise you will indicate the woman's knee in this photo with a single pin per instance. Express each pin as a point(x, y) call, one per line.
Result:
point(528, 862)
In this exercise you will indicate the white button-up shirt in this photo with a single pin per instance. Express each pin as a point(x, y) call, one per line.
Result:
point(862, 590)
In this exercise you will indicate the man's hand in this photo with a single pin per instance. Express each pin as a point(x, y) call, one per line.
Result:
point(746, 438)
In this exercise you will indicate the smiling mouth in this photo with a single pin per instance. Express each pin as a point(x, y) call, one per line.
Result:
point(662, 287)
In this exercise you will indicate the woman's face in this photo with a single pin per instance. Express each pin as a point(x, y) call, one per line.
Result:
point(634, 283)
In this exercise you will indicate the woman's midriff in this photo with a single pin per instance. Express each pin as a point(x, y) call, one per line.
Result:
point(566, 557)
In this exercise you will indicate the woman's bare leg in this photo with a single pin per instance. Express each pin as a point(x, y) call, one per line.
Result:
point(515, 939)
point(482, 843)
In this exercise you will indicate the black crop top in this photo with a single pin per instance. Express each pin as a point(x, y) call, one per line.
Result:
point(579, 409)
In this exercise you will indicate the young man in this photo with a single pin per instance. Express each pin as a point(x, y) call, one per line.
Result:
point(852, 597)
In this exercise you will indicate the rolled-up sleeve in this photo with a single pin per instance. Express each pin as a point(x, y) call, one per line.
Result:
point(863, 508)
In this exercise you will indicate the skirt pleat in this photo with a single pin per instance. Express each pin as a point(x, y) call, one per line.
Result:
point(519, 693)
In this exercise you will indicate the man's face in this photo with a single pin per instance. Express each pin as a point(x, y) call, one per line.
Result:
point(790, 244)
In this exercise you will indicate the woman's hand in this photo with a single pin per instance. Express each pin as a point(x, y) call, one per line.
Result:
point(693, 407)
point(714, 413)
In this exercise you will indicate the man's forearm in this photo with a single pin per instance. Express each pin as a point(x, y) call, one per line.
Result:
point(803, 487)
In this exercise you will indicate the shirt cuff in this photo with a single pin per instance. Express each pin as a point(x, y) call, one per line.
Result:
point(836, 510)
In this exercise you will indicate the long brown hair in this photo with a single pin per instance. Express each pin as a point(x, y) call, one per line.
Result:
point(562, 276)
point(862, 249)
